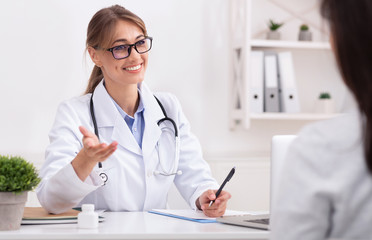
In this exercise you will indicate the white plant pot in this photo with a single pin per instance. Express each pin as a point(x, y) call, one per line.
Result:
point(273, 35)
point(326, 106)
point(305, 36)
point(11, 210)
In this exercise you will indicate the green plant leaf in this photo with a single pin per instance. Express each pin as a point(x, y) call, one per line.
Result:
point(274, 26)
point(325, 95)
point(304, 27)
point(17, 175)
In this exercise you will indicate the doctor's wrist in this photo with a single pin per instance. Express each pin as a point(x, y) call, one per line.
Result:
point(197, 203)
point(83, 165)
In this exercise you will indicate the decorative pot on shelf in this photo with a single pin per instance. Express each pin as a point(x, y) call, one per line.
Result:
point(304, 34)
point(325, 104)
point(273, 34)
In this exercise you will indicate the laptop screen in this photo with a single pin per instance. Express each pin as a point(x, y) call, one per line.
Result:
point(279, 147)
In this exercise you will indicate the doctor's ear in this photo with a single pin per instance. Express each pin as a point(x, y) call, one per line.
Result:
point(94, 56)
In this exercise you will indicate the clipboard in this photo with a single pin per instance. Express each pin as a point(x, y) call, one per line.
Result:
point(197, 215)
point(185, 214)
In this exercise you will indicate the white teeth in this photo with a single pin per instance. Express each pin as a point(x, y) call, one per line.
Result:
point(133, 68)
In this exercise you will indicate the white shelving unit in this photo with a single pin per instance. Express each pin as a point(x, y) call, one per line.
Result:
point(258, 43)
point(292, 116)
point(243, 44)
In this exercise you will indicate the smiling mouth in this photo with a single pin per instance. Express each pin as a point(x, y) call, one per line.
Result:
point(134, 68)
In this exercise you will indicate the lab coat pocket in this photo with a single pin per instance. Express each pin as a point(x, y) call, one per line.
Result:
point(104, 174)
point(109, 186)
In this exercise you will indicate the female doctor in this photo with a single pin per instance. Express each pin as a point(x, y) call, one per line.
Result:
point(120, 146)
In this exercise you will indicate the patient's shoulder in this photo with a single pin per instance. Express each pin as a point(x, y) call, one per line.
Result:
point(335, 133)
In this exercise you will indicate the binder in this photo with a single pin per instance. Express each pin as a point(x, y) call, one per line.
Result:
point(271, 103)
point(288, 90)
point(256, 91)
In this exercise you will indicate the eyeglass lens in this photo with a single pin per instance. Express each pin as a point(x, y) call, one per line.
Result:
point(123, 51)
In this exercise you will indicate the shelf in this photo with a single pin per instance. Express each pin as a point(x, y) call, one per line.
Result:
point(311, 56)
point(292, 116)
point(289, 44)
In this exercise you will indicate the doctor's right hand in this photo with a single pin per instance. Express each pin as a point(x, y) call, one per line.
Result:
point(95, 150)
point(92, 153)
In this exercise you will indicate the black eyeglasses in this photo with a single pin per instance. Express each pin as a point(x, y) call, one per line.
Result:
point(123, 51)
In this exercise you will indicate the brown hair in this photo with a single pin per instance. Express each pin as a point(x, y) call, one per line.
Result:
point(352, 39)
point(100, 33)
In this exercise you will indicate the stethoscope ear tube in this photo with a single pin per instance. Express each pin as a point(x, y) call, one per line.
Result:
point(93, 116)
point(177, 152)
point(177, 147)
point(173, 123)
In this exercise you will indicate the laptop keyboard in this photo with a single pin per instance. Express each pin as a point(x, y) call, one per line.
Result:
point(261, 221)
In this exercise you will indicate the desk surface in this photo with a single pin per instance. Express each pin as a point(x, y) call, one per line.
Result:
point(137, 225)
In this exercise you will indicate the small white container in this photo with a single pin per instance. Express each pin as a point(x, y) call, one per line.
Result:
point(87, 218)
point(326, 106)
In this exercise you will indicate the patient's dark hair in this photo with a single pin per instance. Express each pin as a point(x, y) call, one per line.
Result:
point(350, 23)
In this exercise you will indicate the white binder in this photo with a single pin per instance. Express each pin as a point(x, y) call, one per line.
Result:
point(256, 91)
point(288, 90)
point(271, 83)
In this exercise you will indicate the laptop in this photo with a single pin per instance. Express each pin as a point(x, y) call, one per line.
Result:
point(279, 147)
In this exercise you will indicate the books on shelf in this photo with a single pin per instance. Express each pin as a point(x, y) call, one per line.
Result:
point(256, 93)
point(272, 83)
point(288, 88)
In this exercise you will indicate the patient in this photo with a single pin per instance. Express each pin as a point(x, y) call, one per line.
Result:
point(326, 189)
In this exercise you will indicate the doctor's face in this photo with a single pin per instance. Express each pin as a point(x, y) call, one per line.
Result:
point(129, 70)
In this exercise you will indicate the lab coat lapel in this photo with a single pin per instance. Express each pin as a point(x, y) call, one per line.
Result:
point(152, 114)
point(124, 136)
point(108, 116)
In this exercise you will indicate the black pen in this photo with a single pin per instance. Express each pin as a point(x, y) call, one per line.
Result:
point(231, 173)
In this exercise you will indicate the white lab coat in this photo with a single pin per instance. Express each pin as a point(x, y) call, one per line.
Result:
point(131, 185)
point(325, 190)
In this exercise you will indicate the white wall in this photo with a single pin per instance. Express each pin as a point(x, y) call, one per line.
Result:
point(42, 63)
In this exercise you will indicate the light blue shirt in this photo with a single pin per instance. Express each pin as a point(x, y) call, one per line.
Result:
point(136, 124)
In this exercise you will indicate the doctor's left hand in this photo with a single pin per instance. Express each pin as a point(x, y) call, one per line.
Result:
point(92, 152)
point(218, 208)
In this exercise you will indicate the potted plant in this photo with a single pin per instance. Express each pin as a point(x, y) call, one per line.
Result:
point(325, 103)
point(274, 34)
point(304, 34)
point(17, 177)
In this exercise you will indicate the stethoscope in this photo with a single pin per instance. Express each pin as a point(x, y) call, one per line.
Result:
point(163, 172)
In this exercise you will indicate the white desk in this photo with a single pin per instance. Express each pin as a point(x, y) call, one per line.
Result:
point(137, 225)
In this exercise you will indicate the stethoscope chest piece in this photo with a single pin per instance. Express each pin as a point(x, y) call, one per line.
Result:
point(103, 177)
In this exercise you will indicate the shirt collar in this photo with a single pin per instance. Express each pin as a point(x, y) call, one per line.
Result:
point(140, 107)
